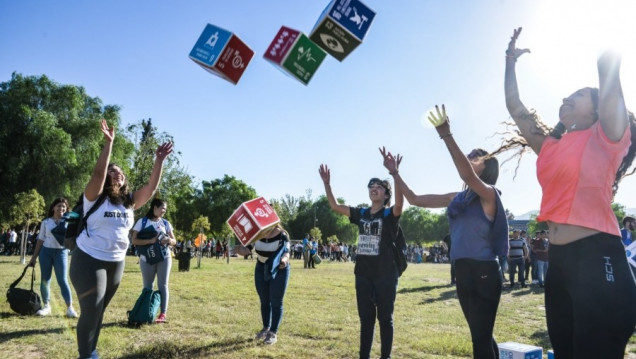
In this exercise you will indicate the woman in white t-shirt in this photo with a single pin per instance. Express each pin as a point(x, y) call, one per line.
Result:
point(99, 259)
point(165, 236)
point(53, 256)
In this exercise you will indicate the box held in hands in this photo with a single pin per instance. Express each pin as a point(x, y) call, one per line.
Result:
point(222, 53)
point(295, 54)
point(342, 26)
point(252, 219)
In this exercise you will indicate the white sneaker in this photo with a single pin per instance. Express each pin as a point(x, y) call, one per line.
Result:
point(262, 334)
point(270, 338)
point(44, 311)
point(71, 313)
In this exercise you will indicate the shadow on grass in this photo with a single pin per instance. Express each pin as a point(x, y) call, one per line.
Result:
point(173, 350)
point(443, 296)
point(542, 338)
point(423, 289)
point(5, 337)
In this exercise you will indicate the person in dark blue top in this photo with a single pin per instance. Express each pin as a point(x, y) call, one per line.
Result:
point(479, 229)
point(376, 271)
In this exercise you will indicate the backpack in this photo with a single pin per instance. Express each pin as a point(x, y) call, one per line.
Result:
point(146, 308)
point(76, 220)
point(398, 244)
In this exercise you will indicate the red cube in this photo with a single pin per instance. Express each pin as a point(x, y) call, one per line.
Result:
point(252, 219)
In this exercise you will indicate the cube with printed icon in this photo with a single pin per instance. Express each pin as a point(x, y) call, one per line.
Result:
point(295, 54)
point(512, 350)
point(222, 53)
point(252, 219)
point(342, 26)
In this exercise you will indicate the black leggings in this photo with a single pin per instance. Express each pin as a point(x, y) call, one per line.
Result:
point(95, 283)
point(590, 298)
point(479, 290)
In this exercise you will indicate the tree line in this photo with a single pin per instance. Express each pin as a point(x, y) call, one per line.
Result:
point(49, 141)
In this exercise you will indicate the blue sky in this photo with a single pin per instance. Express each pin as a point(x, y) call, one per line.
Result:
point(273, 132)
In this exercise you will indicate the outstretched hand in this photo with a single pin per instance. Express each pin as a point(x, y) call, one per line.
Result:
point(164, 150)
point(513, 51)
point(391, 163)
point(109, 132)
point(609, 60)
point(325, 174)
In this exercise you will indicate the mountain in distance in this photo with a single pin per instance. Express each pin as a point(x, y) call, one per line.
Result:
point(526, 216)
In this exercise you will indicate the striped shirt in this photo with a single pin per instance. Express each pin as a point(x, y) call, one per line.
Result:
point(265, 247)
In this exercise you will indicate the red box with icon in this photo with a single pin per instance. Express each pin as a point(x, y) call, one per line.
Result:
point(252, 219)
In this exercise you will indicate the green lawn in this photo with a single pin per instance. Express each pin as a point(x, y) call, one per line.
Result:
point(214, 313)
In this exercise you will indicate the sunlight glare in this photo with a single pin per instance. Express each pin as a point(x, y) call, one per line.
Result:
point(567, 37)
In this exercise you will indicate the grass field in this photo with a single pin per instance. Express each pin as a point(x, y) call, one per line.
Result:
point(214, 313)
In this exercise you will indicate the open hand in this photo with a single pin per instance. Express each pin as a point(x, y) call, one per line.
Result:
point(438, 119)
point(164, 150)
point(325, 174)
point(512, 50)
point(391, 163)
point(109, 132)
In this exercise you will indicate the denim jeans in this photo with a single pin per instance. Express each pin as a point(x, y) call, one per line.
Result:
point(520, 264)
point(376, 298)
point(271, 294)
point(542, 269)
point(479, 291)
point(161, 270)
point(54, 259)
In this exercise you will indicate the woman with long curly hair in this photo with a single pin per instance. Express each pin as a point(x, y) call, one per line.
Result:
point(589, 289)
point(99, 259)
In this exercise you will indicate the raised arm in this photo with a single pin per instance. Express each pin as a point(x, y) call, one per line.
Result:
point(466, 172)
point(392, 163)
point(611, 104)
point(325, 175)
point(399, 198)
point(142, 195)
point(518, 111)
point(95, 185)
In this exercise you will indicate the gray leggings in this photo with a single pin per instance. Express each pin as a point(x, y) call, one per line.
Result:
point(95, 283)
point(162, 271)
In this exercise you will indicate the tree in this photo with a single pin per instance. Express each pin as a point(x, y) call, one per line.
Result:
point(50, 138)
point(423, 226)
point(619, 212)
point(176, 186)
point(534, 226)
point(316, 233)
point(329, 222)
point(217, 200)
point(28, 207)
point(200, 225)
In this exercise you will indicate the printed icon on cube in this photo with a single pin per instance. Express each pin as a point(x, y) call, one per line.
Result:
point(222, 53)
point(245, 222)
point(342, 26)
point(295, 54)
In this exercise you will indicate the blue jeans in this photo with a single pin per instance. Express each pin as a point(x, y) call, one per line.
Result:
point(162, 271)
point(376, 296)
point(515, 263)
point(271, 294)
point(54, 259)
point(542, 269)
